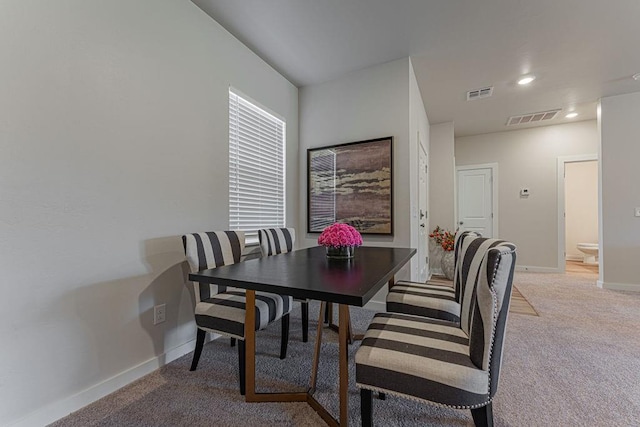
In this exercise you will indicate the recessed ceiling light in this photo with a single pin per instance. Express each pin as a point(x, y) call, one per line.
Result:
point(636, 76)
point(526, 80)
point(571, 115)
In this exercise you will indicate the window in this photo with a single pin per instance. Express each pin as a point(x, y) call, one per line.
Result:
point(256, 168)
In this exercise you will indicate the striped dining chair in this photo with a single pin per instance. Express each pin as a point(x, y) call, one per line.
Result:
point(433, 299)
point(275, 241)
point(221, 309)
point(455, 365)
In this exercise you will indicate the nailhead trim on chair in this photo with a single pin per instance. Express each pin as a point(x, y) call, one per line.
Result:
point(376, 353)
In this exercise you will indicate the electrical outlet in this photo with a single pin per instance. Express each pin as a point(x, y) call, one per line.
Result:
point(637, 211)
point(159, 313)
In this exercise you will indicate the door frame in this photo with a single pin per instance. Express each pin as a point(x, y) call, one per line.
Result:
point(562, 161)
point(494, 192)
point(422, 149)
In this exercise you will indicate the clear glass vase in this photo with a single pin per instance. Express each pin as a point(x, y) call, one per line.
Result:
point(340, 252)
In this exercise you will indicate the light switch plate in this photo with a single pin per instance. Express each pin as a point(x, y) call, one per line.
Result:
point(637, 211)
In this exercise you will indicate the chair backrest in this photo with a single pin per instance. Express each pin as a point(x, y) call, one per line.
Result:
point(489, 307)
point(275, 241)
point(471, 260)
point(210, 250)
point(461, 243)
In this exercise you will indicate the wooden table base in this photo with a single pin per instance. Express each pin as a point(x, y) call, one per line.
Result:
point(335, 327)
point(305, 273)
point(345, 336)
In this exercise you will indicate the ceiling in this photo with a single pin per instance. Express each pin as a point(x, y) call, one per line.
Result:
point(579, 50)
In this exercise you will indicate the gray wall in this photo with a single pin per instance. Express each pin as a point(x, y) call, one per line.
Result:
point(366, 104)
point(114, 142)
point(442, 175)
point(529, 158)
point(620, 132)
point(441, 186)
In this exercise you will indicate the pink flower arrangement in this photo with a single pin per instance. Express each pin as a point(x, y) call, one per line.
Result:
point(339, 235)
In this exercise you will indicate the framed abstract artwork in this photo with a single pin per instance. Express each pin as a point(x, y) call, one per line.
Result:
point(351, 183)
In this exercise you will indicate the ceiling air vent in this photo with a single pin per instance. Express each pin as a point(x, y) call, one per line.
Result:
point(485, 92)
point(524, 119)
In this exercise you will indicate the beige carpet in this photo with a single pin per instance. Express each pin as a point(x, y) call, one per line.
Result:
point(576, 364)
point(519, 303)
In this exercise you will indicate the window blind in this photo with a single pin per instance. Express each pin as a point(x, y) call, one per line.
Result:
point(256, 168)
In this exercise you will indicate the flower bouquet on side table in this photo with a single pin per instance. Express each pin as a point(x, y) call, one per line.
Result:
point(340, 240)
point(446, 240)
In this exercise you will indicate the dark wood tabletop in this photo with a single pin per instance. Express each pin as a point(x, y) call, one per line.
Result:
point(308, 273)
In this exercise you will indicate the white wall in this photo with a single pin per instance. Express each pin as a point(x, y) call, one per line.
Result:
point(367, 104)
point(581, 206)
point(113, 141)
point(528, 158)
point(620, 241)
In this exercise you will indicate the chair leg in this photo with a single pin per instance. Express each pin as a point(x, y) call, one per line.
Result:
point(483, 417)
point(326, 313)
point(241, 366)
point(199, 344)
point(366, 407)
point(284, 338)
point(233, 342)
point(305, 321)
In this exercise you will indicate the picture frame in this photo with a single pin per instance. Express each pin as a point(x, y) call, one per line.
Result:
point(351, 183)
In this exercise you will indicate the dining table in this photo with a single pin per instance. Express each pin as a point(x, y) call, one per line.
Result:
point(310, 274)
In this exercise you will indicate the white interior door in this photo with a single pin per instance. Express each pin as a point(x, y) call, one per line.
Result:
point(475, 200)
point(423, 249)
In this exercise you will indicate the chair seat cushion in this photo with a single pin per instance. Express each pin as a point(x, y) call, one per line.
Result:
point(224, 313)
point(420, 358)
point(424, 299)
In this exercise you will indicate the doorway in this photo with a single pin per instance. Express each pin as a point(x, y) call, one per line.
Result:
point(578, 243)
point(477, 199)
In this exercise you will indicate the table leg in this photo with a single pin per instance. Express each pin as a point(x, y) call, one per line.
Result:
point(344, 367)
point(316, 354)
point(343, 346)
point(250, 345)
point(392, 282)
point(336, 326)
point(350, 333)
point(250, 360)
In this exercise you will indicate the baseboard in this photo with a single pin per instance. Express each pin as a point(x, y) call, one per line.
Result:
point(619, 286)
point(56, 410)
point(534, 269)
